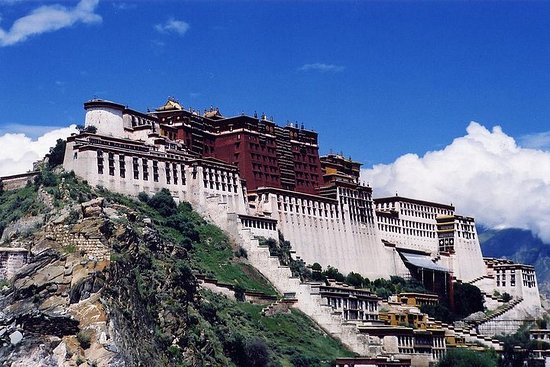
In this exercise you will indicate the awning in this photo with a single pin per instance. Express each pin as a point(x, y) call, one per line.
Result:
point(422, 261)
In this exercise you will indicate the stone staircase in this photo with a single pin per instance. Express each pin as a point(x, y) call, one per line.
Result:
point(500, 312)
point(304, 297)
point(473, 281)
point(469, 334)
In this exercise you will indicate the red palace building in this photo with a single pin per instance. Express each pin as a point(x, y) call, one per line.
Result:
point(267, 155)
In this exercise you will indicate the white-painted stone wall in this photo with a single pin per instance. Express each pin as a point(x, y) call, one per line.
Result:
point(317, 237)
point(108, 121)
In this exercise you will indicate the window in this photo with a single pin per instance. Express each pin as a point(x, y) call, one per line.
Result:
point(100, 162)
point(136, 168)
point(122, 166)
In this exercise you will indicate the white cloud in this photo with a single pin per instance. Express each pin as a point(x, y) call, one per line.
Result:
point(323, 68)
point(20, 151)
point(49, 18)
point(173, 26)
point(485, 174)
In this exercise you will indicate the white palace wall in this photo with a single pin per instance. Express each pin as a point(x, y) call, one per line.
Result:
point(317, 237)
point(204, 187)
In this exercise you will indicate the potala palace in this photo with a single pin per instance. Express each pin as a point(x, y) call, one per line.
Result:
point(254, 178)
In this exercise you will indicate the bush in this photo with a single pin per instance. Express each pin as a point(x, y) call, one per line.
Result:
point(84, 339)
point(257, 353)
point(333, 273)
point(467, 358)
point(355, 280)
point(57, 153)
point(143, 197)
point(506, 297)
point(163, 202)
point(468, 299)
point(241, 252)
point(239, 293)
point(301, 360)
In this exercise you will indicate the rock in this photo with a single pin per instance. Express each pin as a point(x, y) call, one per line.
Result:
point(61, 219)
point(111, 213)
point(92, 208)
point(16, 337)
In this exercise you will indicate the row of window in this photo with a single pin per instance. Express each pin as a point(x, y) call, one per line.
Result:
point(260, 224)
point(142, 168)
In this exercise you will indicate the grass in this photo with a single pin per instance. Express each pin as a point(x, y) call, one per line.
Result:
point(211, 255)
point(214, 255)
point(286, 335)
point(15, 204)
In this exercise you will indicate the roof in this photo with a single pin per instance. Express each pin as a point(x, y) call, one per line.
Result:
point(396, 198)
point(170, 105)
point(422, 261)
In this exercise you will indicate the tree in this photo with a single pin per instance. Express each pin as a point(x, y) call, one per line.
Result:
point(57, 153)
point(163, 202)
point(467, 358)
point(355, 280)
point(333, 273)
point(468, 299)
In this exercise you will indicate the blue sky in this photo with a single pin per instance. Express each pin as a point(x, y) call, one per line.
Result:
point(375, 79)
point(393, 84)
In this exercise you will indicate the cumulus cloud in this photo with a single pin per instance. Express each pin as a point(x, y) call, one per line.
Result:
point(485, 174)
point(19, 151)
point(320, 67)
point(173, 26)
point(49, 18)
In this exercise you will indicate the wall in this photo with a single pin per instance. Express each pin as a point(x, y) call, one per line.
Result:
point(319, 236)
point(11, 260)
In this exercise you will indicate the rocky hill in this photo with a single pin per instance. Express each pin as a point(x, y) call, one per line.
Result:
point(113, 281)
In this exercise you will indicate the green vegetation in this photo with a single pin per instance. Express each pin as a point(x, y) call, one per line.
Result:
point(84, 337)
point(468, 358)
point(57, 153)
point(210, 250)
point(382, 287)
point(468, 299)
point(518, 347)
point(15, 204)
point(239, 325)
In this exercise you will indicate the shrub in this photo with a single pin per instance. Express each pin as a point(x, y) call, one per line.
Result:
point(468, 299)
point(467, 358)
point(239, 293)
point(241, 252)
point(163, 202)
point(301, 360)
point(143, 197)
point(506, 297)
point(57, 153)
point(84, 338)
point(355, 280)
point(333, 273)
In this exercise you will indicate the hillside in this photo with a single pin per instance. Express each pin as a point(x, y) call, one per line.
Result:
point(521, 246)
point(112, 281)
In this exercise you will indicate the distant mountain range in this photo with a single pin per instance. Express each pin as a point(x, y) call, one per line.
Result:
point(521, 246)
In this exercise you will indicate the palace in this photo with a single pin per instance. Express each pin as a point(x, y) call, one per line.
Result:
point(254, 178)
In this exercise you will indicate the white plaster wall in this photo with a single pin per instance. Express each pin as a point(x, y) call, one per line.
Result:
point(467, 262)
point(337, 242)
point(108, 121)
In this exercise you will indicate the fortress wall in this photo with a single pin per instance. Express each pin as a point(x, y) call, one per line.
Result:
point(108, 121)
point(467, 262)
point(192, 185)
point(11, 260)
point(339, 242)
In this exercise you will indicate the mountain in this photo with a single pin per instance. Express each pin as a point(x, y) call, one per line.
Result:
point(521, 246)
